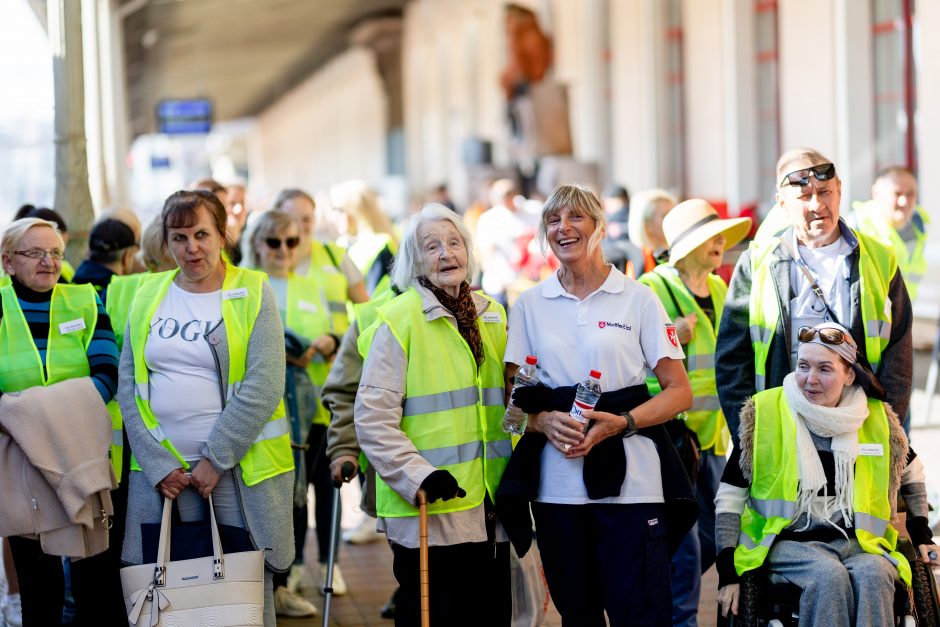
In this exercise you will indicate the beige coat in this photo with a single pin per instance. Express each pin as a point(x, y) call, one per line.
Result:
point(55, 476)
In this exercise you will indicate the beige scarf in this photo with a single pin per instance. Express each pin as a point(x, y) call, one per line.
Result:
point(841, 423)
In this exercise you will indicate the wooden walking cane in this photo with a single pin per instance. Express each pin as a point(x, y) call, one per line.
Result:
point(423, 557)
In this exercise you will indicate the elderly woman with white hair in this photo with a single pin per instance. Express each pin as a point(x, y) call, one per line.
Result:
point(606, 484)
point(428, 415)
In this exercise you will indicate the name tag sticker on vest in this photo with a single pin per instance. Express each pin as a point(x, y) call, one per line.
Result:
point(308, 307)
point(241, 292)
point(72, 326)
point(491, 316)
point(872, 450)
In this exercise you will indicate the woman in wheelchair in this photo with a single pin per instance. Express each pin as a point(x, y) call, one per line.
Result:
point(812, 490)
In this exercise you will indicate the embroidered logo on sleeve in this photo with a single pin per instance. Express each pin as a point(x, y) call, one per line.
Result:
point(672, 334)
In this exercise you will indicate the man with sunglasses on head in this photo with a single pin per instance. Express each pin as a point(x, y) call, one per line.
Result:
point(816, 270)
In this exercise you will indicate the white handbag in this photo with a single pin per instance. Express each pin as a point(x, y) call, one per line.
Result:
point(221, 590)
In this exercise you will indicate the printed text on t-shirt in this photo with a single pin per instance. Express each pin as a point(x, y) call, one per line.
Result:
point(190, 331)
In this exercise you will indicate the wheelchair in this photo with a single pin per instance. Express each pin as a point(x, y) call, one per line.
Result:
point(769, 600)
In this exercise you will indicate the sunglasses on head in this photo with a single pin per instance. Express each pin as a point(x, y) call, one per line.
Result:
point(275, 242)
point(822, 172)
point(827, 335)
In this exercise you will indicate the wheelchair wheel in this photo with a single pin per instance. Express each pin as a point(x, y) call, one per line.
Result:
point(749, 603)
point(925, 595)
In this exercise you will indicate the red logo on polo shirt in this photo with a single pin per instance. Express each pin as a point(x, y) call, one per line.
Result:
point(601, 324)
point(672, 334)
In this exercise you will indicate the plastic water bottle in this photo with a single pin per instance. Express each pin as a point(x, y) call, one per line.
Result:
point(586, 397)
point(514, 420)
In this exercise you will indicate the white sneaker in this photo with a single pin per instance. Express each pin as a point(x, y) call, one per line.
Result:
point(300, 578)
point(11, 613)
point(364, 533)
point(339, 584)
point(287, 603)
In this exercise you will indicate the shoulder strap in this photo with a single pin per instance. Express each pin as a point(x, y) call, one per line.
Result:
point(332, 257)
point(814, 285)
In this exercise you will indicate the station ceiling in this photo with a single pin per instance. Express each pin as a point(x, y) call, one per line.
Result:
point(241, 54)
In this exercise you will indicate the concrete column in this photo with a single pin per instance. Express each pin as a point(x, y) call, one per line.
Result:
point(704, 94)
point(741, 175)
point(72, 196)
point(635, 84)
point(928, 149)
point(854, 100)
point(808, 115)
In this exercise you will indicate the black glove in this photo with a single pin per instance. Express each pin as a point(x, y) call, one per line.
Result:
point(533, 398)
point(440, 484)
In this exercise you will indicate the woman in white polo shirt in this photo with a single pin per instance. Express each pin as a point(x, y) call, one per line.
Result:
point(605, 554)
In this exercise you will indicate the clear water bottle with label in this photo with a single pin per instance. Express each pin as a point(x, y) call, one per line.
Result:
point(586, 397)
point(514, 420)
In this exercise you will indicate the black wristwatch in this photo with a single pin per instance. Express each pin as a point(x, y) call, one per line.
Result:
point(631, 425)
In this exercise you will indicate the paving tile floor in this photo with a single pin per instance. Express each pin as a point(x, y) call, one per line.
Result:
point(368, 573)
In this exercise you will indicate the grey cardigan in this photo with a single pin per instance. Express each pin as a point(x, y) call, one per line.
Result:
point(267, 505)
point(734, 353)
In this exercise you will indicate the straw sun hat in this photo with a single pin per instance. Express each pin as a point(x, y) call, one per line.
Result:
point(693, 222)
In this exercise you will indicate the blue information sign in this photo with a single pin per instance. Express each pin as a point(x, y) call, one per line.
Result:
point(178, 117)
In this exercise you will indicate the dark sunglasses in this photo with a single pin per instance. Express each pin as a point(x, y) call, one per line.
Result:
point(828, 335)
point(822, 172)
point(275, 242)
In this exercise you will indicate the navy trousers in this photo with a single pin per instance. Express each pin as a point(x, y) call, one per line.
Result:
point(606, 558)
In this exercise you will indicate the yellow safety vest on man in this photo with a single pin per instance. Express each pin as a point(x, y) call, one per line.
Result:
point(877, 266)
point(771, 504)
point(452, 410)
point(66, 352)
point(912, 263)
point(306, 315)
point(270, 454)
point(325, 269)
point(705, 417)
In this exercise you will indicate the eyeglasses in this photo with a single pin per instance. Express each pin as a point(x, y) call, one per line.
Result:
point(275, 242)
point(38, 253)
point(827, 335)
point(822, 172)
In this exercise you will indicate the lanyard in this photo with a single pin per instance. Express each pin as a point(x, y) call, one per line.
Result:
point(813, 283)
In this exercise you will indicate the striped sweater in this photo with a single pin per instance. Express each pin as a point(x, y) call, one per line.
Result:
point(102, 350)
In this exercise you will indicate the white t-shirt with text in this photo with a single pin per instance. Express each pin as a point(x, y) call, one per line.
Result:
point(185, 393)
point(621, 330)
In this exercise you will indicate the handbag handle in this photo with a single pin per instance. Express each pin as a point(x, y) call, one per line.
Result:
point(163, 548)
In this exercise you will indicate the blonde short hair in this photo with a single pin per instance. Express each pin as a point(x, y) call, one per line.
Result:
point(642, 206)
point(153, 252)
point(14, 233)
point(574, 197)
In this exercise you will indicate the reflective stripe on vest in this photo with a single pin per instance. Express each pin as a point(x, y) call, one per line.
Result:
point(705, 417)
point(452, 425)
point(270, 454)
point(771, 505)
point(877, 266)
point(325, 268)
point(913, 263)
point(307, 317)
point(66, 353)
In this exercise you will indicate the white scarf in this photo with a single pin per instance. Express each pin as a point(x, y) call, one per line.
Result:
point(841, 423)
